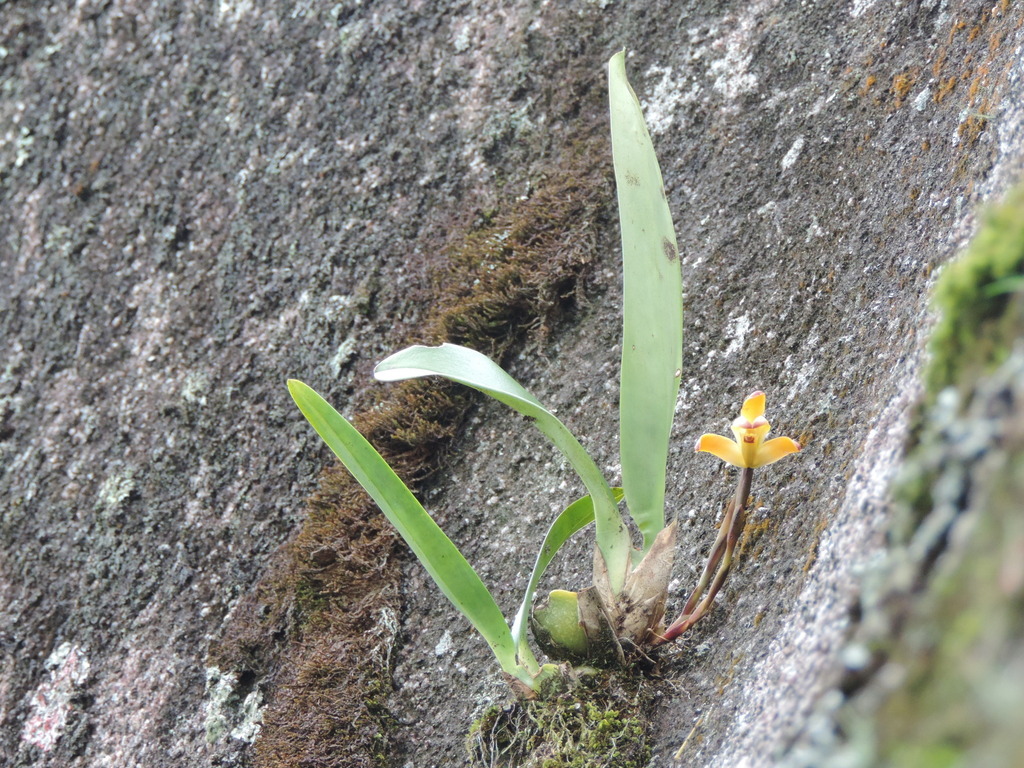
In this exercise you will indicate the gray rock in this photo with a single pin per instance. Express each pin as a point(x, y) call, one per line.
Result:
point(201, 200)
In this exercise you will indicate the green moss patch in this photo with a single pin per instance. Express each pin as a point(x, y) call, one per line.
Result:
point(980, 299)
point(323, 622)
point(942, 633)
point(599, 722)
point(960, 658)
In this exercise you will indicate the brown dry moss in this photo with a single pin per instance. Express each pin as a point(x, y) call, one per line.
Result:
point(902, 82)
point(753, 531)
point(967, 67)
point(322, 624)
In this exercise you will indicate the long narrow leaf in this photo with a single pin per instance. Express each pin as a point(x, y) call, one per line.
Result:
point(652, 329)
point(466, 366)
point(443, 561)
point(572, 519)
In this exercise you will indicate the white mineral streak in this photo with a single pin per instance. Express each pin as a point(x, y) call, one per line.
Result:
point(730, 72)
point(234, 10)
point(51, 702)
point(860, 6)
point(665, 97)
point(790, 158)
point(224, 710)
point(737, 329)
point(725, 62)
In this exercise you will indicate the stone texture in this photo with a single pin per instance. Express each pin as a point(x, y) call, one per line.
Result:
point(201, 199)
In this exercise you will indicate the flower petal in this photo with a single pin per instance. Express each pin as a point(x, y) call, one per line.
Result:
point(722, 447)
point(753, 406)
point(774, 450)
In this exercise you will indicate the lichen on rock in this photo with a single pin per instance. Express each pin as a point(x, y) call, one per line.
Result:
point(54, 700)
point(933, 671)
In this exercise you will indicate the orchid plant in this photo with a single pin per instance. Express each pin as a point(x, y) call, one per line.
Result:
point(748, 452)
point(624, 607)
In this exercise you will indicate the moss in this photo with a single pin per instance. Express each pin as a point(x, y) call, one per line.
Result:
point(902, 83)
point(749, 543)
point(310, 600)
point(812, 554)
point(947, 627)
point(869, 82)
point(324, 621)
point(600, 722)
point(960, 701)
point(980, 311)
point(945, 87)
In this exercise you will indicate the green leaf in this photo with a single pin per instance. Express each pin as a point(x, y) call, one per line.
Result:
point(1010, 284)
point(443, 561)
point(478, 371)
point(572, 519)
point(652, 328)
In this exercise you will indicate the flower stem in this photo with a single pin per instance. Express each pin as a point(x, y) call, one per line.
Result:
point(721, 555)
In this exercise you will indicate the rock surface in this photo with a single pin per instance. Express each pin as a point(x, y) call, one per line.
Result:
point(201, 200)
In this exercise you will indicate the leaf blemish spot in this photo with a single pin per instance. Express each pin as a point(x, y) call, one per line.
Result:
point(670, 250)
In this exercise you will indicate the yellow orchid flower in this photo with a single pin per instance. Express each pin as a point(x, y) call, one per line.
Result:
point(749, 448)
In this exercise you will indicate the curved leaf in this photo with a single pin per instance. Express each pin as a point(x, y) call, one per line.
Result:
point(442, 559)
point(469, 367)
point(570, 520)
